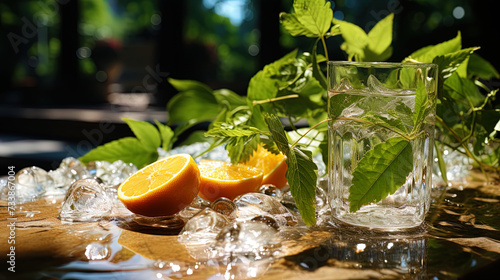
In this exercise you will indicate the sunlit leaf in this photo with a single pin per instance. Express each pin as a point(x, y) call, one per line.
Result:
point(380, 172)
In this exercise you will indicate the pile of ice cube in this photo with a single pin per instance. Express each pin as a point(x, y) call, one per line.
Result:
point(89, 191)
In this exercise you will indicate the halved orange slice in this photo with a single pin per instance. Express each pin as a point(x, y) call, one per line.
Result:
point(223, 179)
point(273, 165)
point(162, 188)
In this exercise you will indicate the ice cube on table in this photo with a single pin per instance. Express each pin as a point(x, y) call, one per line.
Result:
point(112, 173)
point(271, 190)
point(251, 205)
point(247, 241)
point(224, 206)
point(194, 207)
point(31, 183)
point(85, 201)
point(202, 228)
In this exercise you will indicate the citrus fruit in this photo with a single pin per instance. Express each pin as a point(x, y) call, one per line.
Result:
point(223, 179)
point(273, 165)
point(162, 188)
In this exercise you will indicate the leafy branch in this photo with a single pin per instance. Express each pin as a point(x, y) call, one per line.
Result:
point(294, 88)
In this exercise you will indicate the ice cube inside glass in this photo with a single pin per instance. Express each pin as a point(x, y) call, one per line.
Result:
point(370, 104)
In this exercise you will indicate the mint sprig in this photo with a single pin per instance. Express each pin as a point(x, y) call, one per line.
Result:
point(301, 173)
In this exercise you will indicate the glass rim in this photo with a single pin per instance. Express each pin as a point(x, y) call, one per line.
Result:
point(382, 64)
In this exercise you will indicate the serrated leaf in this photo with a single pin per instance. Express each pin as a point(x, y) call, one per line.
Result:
point(428, 53)
point(315, 15)
point(167, 136)
point(294, 26)
point(380, 172)
point(241, 148)
point(277, 132)
point(229, 130)
point(449, 63)
point(146, 133)
point(302, 177)
point(128, 149)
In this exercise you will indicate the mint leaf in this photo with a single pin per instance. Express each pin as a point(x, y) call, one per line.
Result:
point(421, 105)
point(355, 39)
point(192, 105)
point(448, 63)
point(278, 133)
point(292, 24)
point(146, 133)
point(167, 136)
point(380, 172)
point(302, 176)
point(241, 148)
point(380, 37)
point(301, 172)
point(128, 149)
point(265, 84)
point(428, 53)
point(374, 46)
point(479, 67)
point(315, 15)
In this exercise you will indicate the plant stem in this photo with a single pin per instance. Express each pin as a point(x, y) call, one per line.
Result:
point(466, 149)
point(309, 130)
point(270, 100)
point(324, 48)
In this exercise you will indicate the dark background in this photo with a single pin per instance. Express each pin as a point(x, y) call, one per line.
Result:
point(71, 69)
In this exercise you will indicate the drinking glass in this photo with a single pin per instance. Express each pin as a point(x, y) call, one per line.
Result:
point(381, 134)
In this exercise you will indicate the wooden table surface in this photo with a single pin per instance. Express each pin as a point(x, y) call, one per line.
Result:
point(461, 240)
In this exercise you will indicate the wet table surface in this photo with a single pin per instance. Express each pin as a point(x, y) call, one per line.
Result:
point(460, 240)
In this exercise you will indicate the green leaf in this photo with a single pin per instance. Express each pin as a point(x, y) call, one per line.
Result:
point(380, 172)
point(278, 133)
point(241, 148)
point(167, 136)
point(421, 105)
point(479, 67)
point(185, 85)
point(374, 46)
point(314, 15)
point(380, 37)
point(462, 91)
point(146, 133)
point(225, 96)
point(128, 149)
point(338, 102)
point(428, 53)
point(449, 63)
point(292, 24)
point(197, 105)
point(263, 85)
point(302, 177)
point(355, 38)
